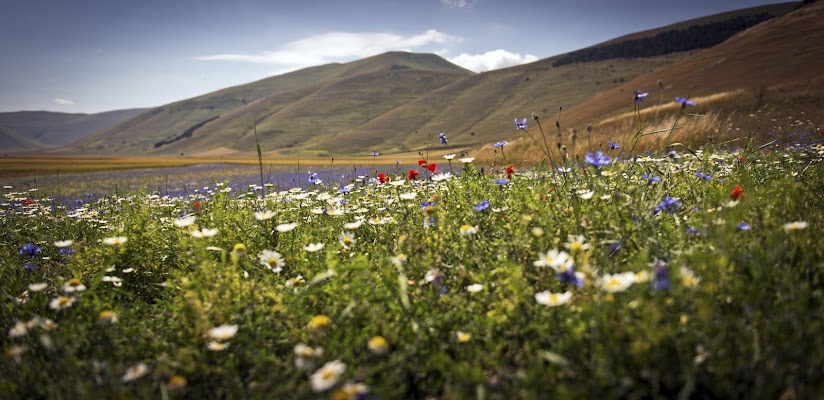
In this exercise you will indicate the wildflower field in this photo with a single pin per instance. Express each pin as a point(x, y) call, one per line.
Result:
point(689, 274)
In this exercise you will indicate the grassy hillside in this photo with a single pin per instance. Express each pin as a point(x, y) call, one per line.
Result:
point(287, 107)
point(13, 142)
point(56, 128)
point(764, 80)
point(396, 102)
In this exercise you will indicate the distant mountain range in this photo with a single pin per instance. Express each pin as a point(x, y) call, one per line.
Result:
point(45, 129)
point(399, 102)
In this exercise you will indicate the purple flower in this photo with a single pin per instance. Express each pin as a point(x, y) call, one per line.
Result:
point(669, 204)
point(613, 145)
point(500, 145)
point(651, 179)
point(597, 160)
point(343, 190)
point(483, 205)
point(520, 125)
point(29, 250)
point(660, 277)
point(375, 154)
point(684, 102)
point(693, 231)
point(743, 226)
point(313, 177)
point(442, 137)
point(66, 251)
point(568, 277)
point(703, 176)
point(501, 182)
point(639, 95)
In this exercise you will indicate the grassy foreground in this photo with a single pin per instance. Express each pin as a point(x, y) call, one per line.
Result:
point(695, 275)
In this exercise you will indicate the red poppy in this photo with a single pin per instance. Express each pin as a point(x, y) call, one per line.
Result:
point(196, 206)
point(742, 158)
point(510, 169)
point(383, 178)
point(422, 162)
point(737, 192)
point(432, 167)
point(412, 175)
point(27, 202)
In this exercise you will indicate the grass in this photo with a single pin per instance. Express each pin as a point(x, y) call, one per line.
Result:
point(696, 296)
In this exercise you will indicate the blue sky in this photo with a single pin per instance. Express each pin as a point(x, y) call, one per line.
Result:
point(100, 55)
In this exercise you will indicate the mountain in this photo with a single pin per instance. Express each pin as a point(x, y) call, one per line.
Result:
point(13, 142)
point(56, 128)
point(397, 102)
point(768, 71)
point(289, 110)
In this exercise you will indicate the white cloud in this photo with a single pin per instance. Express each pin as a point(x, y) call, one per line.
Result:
point(337, 46)
point(458, 3)
point(490, 60)
point(63, 102)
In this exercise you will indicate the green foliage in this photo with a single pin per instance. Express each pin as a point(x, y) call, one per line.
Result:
point(462, 297)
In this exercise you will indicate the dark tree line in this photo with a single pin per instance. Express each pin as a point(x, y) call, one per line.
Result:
point(673, 41)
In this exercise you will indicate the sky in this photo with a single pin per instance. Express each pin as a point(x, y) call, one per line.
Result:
point(87, 56)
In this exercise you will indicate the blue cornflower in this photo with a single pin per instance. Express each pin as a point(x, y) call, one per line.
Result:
point(375, 154)
point(743, 226)
point(693, 231)
point(614, 247)
point(597, 160)
point(613, 145)
point(703, 176)
point(500, 145)
point(313, 177)
point(66, 251)
point(29, 250)
point(442, 137)
point(343, 190)
point(660, 277)
point(639, 95)
point(568, 277)
point(28, 267)
point(651, 179)
point(483, 205)
point(669, 204)
point(501, 182)
point(520, 125)
point(684, 102)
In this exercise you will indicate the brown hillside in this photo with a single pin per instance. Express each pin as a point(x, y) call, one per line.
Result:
point(774, 67)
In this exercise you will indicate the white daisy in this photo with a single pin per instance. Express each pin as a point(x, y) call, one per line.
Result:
point(327, 376)
point(115, 240)
point(223, 332)
point(313, 247)
point(135, 372)
point(475, 288)
point(185, 221)
point(63, 243)
point(286, 227)
point(552, 299)
point(264, 215)
point(272, 260)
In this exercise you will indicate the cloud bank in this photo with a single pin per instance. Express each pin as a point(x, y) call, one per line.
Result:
point(457, 3)
point(491, 60)
point(63, 102)
point(337, 46)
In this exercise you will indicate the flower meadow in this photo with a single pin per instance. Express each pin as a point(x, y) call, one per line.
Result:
point(694, 274)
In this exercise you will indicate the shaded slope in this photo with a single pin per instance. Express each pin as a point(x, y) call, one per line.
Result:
point(57, 129)
point(13, 142)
